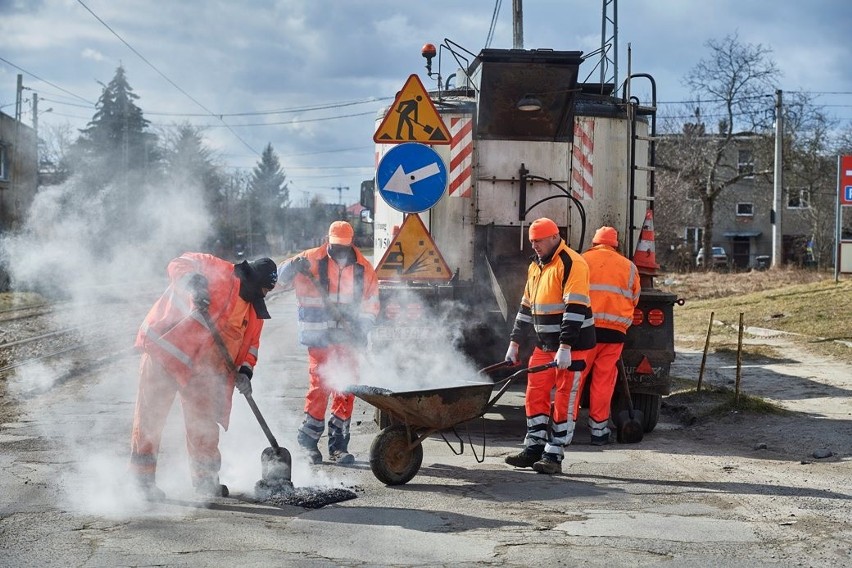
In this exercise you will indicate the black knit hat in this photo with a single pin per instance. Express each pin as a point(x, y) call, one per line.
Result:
point(254, 275)
point(264, 272)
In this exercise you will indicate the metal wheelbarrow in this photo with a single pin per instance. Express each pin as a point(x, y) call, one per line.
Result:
point(397, 451)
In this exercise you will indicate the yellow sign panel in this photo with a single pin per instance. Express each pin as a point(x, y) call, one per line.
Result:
point(412, 118)
point(412, 255)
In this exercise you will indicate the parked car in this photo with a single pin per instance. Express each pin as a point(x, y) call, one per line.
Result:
point(720, 257)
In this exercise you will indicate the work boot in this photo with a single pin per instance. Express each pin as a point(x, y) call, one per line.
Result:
point(601, 440)
point(150, 492)
point(209, 487)
point(525, 458)
point(548, 464)
point(309, 446)
point(341, 457)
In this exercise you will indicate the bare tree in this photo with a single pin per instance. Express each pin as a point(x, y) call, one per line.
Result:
point(735, 81)
point(810, 170)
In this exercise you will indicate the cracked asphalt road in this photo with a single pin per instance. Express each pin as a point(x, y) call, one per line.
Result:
point(733, 490)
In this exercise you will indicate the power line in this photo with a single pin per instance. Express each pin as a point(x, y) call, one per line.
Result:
point(34, 76)
point(163, 75)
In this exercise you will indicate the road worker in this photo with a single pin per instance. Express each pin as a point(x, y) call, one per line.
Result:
point(556, 308)
point(338, 295)
point(210, 303)
point(614, 288)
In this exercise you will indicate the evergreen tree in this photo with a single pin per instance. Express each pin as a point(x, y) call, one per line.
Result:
point(116, 136)
point(269, 195)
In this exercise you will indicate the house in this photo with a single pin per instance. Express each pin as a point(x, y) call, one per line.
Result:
point(742, 213)
point(18, 172)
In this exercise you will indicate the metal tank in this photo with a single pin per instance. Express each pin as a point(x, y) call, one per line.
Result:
point(529, 141)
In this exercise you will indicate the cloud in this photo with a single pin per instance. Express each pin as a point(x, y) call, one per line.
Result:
point(92, 54)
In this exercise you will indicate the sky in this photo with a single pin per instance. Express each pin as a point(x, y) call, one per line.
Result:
point(309, 76)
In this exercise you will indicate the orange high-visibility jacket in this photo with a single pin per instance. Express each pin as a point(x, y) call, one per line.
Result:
point(176, 336)
point(352, 290)
point(556, 303)
point(615, 288)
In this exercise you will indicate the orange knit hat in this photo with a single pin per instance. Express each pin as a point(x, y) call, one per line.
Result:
point(543, 228)
point(340, 233)
point(606, 236)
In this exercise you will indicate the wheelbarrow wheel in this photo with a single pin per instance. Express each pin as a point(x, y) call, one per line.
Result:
point(391, 459)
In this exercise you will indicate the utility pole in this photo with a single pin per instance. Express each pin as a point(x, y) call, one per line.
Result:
point(517, 24)
point(778, 185)
point(609, 53)
point(340, 193)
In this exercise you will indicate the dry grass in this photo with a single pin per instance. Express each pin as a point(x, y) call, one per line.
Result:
point(807, 303)
point(11, 300)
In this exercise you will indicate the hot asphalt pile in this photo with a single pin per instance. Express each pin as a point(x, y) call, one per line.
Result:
point(281, 494)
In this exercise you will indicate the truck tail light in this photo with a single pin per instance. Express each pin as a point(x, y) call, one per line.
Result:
point(392, 310)
point(656, 317)
point(638, 317)
point(414, 311)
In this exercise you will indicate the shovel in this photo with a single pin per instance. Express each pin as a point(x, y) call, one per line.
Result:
point(275, 462)
point(628, 422)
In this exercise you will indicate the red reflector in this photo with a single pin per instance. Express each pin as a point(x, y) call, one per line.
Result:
point(392, 310)
point(638, 316)
point(656, 317)
point(644, 367)
point(414, 311)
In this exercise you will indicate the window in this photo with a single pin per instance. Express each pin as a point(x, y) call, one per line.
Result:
point(745, 209)
point(798, 198)
point(3, 170)
point(745, 163)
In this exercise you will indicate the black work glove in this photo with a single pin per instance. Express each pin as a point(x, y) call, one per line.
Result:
point(198, 289)
point(302, 264)
point(243, 383)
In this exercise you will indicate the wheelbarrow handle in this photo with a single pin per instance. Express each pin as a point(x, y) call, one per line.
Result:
point(496, 366)
point(578, 365)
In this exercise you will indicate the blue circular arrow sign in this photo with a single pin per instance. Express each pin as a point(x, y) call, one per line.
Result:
point(411, 177)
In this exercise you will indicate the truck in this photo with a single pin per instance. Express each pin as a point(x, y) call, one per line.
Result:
point(528, 139)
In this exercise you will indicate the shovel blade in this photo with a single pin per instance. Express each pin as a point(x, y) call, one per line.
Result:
point(630, 430)
point(276, 465)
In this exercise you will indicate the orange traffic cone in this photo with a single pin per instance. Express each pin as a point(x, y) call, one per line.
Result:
point(645, 257)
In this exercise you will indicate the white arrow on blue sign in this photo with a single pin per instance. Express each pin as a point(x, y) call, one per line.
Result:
point(411, 177)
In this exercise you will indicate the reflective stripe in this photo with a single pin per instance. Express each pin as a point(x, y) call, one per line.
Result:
point(614, 318)
point(547, 308)
point(252, 351)
point(576, 299)
point(166, 346)
point(598, 428)
point(612, 290)
point(523, 317)
point(573, 317)
point(548, 328)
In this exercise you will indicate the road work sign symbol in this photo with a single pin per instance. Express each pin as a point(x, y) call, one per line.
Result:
point(411, 177)
point(413, 255)
point(412, 118)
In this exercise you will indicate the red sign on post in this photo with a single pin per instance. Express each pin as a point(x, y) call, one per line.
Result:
point(845, 178)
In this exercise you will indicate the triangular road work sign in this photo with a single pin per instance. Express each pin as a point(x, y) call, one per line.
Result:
point(413, 255)
point(412, 118)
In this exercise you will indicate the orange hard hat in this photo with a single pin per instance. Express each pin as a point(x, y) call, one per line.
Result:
point(606, 236)
point(543, 228)
point(340, 233)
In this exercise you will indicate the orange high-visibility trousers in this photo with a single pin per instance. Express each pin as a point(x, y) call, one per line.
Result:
point(556, 431)
point(330, 367)
point(199, 401)
point(601, 364)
